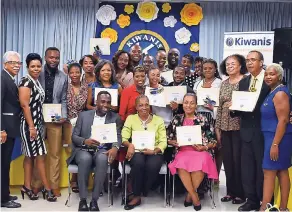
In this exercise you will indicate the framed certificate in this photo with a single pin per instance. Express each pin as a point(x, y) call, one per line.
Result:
point(156, 99)
point(51, 112)
point(175, 94)
point(113, 93)
point(104, 133)
point(244, 101)
point(208, 94)
point(143, 140)
point(167, 75)
point(189, 135)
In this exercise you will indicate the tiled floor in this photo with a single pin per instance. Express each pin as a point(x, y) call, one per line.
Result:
point(152, 203)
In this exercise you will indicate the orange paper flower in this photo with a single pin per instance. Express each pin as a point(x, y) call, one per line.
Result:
point(191, 14)
point(123, 21)
point(111, 34)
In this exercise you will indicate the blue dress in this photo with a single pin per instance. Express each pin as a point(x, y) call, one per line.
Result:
point(269, 123)
point(94, 85)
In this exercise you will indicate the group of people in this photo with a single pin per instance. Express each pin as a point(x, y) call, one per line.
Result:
point(255, 146)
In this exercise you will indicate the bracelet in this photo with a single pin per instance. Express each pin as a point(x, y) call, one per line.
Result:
point(207, 148)
point(275, 144)
point(32, 128)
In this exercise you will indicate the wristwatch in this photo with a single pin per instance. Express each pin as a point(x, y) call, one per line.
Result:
point(116, 146)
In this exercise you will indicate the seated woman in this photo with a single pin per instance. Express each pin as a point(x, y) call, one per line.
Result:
point(145, 164)
point(192, 162)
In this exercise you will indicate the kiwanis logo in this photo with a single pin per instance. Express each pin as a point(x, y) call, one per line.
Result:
point(149, 41)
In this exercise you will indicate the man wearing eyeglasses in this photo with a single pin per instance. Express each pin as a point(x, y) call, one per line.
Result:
point(10, 122)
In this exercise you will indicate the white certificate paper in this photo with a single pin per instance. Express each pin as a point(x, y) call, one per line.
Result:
point(175, 94)
point(50, 111)
point(156, 99)
point(189, 135)
point(143, 140)
point(113, 93)
point(167, 75)
point(211, 93)
point(104, 133)
point(102, 43)
point(244, 101)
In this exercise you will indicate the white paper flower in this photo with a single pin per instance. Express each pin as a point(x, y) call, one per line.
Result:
point(169, 21)
point(106, 14)
point(147, 11)
point(183, 35)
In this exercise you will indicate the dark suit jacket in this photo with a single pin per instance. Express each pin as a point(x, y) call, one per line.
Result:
point(250, 127)
point(60, 89)
point(10, 106)
point(82, 130)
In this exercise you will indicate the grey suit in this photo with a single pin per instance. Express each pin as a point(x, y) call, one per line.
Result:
point(60, 89)
point(86, 160)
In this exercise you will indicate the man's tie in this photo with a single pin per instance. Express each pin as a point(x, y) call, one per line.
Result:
point(253, 85)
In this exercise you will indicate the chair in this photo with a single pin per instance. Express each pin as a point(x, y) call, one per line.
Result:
point(72, 169)
point(127, 170)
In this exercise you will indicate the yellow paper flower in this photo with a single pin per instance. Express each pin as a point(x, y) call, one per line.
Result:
point(195, 47)
point(147, 11)
point(123, 21)
point(111, 34)
point(166, 7)
point(191, 14)
point(129, 9)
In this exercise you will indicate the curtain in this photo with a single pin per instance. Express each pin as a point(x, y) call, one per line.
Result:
point(34, 25)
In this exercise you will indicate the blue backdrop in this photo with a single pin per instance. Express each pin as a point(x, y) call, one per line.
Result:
point(156, 27)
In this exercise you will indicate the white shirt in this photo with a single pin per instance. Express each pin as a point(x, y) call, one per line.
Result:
point(98, 120)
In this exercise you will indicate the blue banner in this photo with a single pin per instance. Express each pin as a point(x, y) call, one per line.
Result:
point(152, 25)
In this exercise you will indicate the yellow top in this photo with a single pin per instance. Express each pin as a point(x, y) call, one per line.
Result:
point(156, 125)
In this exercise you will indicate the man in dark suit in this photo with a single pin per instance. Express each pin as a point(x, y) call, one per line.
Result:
point(88, 152)
point(10, 122)
point(251, 134)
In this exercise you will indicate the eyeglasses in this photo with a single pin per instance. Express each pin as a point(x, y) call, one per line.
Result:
point(252, 60)
point(14, 63)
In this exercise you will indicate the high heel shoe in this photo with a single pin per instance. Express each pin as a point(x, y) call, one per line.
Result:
point(198, 207)
point(28, 192)
point(49, 196)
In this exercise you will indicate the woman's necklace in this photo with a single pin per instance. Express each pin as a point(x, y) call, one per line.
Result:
point(276, 88)
point(207, 83)
point(267, 99)
point(144, 123)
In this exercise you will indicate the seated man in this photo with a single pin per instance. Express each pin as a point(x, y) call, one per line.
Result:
point(88, 153)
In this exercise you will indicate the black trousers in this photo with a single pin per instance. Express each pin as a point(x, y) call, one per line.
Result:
point(251, 168)
point(231, 149)
point(6, 153)
point(144, 171)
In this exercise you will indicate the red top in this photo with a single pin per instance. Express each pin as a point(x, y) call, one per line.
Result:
point(127, 103)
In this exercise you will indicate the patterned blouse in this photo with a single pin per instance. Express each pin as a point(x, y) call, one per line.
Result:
point(223, 119)
point(76, 103)
point(208, 135)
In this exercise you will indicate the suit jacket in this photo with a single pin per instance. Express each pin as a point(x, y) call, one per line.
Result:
point(60, 89)
point(10, 106)
point(250, 126)
point(82, 130)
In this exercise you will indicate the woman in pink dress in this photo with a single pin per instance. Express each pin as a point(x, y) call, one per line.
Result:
point(192, 162)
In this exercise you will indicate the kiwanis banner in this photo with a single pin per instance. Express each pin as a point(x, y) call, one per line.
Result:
point(243, 42)
point(152, 25)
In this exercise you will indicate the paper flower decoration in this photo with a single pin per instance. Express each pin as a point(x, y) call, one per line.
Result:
point(106, 14)
point(195, 47)
point(147, 11)
point(183, 35)
point(191, 14)
point(169, 21)
point(111, 34)
point(123, 21)
point(129, 9)
point(166, 7)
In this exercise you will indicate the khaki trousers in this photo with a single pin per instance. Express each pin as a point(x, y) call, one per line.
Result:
point(56, 136)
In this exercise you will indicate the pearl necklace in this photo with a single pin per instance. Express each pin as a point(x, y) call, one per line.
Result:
point(144, 122)
point(267, 99)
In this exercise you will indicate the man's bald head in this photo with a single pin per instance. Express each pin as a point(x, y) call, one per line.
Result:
point(136, 53)
point(173, 57)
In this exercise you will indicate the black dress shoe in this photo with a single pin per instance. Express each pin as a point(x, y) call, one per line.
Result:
point(130, 207)
point(188, 204)
point(13, 198)
point(11, 204)
point(248, 207)
point(226, 199)
point(93, 206)
point(83, 206)
point(238, 201)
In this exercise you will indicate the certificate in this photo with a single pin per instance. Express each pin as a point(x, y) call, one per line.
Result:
point(51, 112)
point(205, 95)
point(175, 94)
point(156, 99)
point(102, 43)
point(167, 75)
point(143, 140)
point(104, 133)
point(244, 101)
point(113, 93)
point(189, 135)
